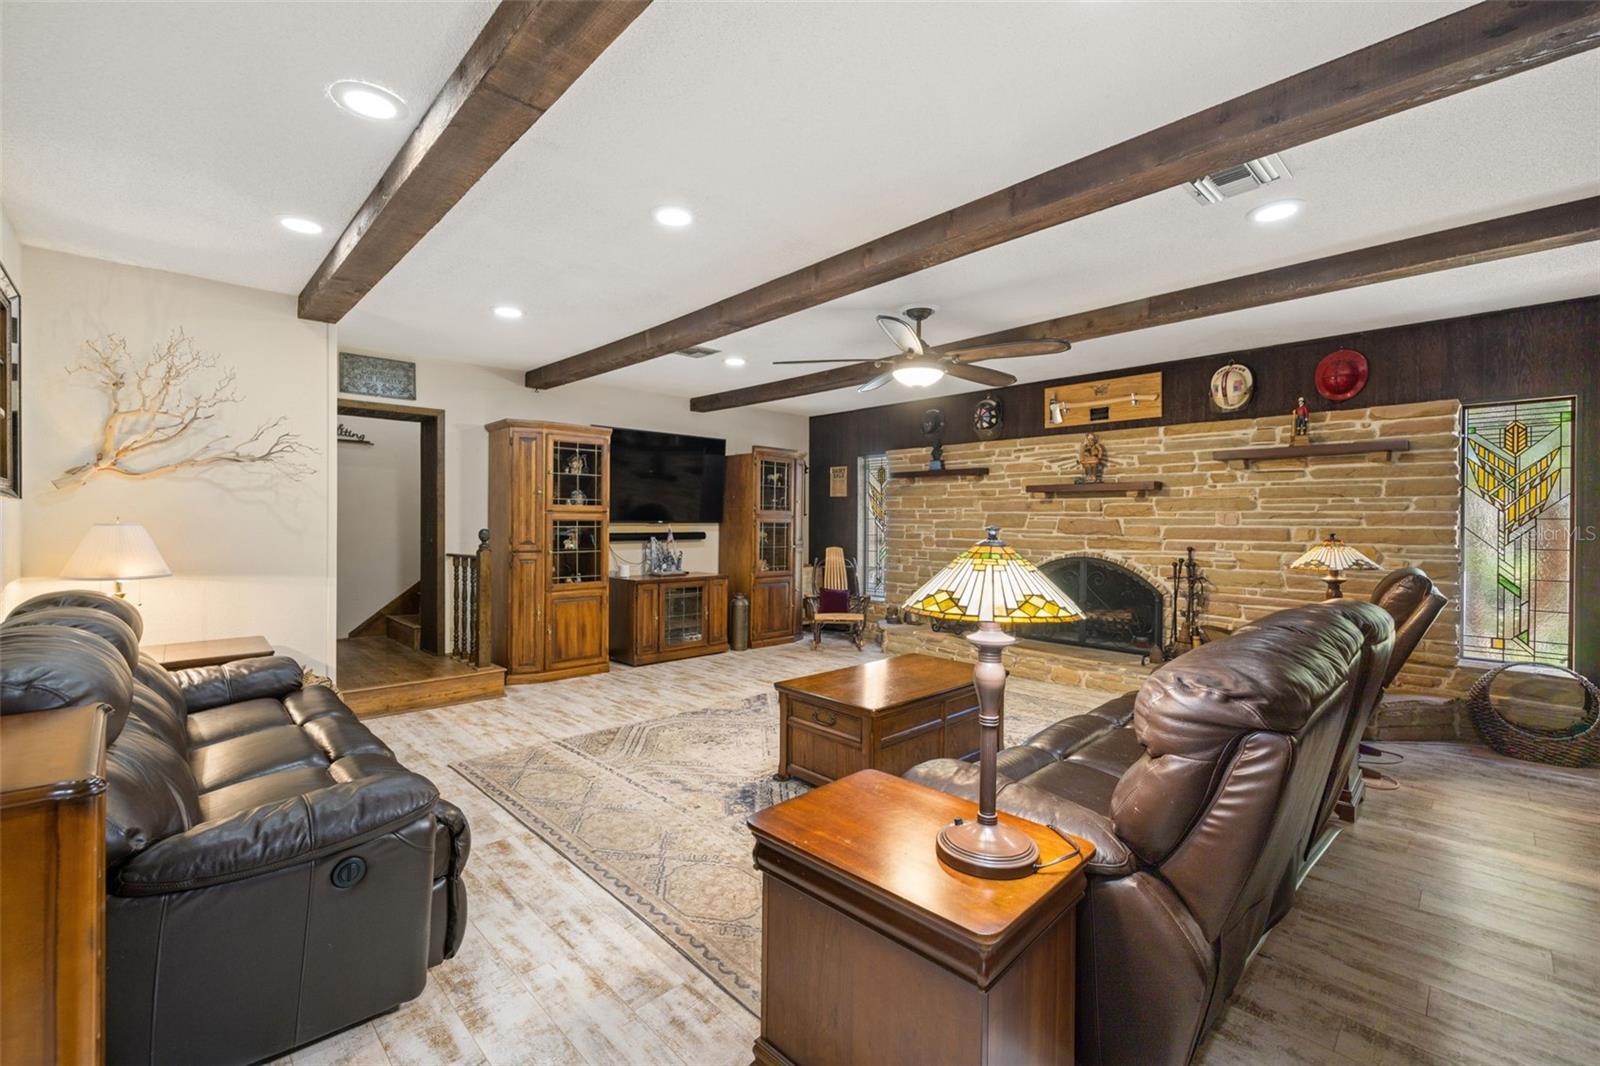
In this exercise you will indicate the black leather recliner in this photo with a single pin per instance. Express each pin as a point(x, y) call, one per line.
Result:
point(273, 874)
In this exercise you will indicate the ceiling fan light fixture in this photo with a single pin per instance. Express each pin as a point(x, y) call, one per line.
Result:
point(918, 375)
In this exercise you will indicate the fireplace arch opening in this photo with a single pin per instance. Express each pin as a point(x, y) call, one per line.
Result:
point(1122, 610)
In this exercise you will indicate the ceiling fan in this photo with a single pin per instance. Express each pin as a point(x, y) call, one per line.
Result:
point(921, 364)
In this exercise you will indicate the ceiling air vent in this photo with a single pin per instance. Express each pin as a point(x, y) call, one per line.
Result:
point(1237, 180)
point(698, 352)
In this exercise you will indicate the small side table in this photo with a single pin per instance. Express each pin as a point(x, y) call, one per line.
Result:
point(208, 652)
point(873, 951)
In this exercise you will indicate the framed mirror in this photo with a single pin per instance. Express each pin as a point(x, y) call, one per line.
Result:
point(10, 387)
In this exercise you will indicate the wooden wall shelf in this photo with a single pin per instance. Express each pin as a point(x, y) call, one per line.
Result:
point(1303, 451)
point(1097, 488)
point(949, 471)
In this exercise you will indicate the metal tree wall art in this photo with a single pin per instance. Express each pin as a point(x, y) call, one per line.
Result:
point(161, 411)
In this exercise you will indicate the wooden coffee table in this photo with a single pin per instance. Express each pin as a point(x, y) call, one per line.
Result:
point(889, 715)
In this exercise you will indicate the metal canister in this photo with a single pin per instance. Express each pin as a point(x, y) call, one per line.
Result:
point(739, 622)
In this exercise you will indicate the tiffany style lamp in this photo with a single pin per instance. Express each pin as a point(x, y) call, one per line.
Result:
point(1333, 556)
point(992, 585)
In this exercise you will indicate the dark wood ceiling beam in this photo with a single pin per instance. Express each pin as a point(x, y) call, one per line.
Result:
point(1480, 242)
point(525, 57)
point(1460, 51)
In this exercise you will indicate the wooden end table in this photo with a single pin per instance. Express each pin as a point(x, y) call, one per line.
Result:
point(874, 951)
point(208, 652)
point(889, 714)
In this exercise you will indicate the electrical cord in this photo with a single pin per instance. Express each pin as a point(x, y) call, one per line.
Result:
point(1075, 853)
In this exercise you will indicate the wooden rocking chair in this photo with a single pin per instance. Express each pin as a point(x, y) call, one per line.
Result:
point(837, 601)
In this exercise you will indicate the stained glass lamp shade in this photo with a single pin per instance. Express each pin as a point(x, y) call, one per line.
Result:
point(1333, 556)
point(992, 585)
point(990, 582)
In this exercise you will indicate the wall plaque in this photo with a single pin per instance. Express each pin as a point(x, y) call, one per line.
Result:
point(1093, 403)
point(838, 481)
point(372, 375)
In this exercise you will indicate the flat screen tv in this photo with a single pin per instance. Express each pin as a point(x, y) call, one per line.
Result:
point(665, 477)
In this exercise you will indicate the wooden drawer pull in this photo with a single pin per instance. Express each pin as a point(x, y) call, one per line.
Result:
point(824, 717)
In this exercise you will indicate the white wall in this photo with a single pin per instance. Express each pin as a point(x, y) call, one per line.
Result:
point(474, 396)
point(380, 517)
point(11, 509)
point(252, 551)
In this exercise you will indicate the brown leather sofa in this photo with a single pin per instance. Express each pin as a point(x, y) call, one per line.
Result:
point(1203, 795)
point(273, 874)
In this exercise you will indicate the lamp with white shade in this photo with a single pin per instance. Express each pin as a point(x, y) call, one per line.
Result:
point(116, 551)
point(1333, 557)
point(992, 585)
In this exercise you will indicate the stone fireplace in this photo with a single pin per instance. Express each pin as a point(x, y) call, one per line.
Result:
point(1123, 611)
point(1112, 552)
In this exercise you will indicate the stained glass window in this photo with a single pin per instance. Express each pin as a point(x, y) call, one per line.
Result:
point(1516, 532)
point(873, 522)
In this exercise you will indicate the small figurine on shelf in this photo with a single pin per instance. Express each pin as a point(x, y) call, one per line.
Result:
point(576, 464)
point(569, 543)
point(576, 497)
point(1092, 461)
point(1302, 423)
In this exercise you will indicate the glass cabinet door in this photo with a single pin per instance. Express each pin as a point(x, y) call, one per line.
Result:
point(577, 473)
point(774, 546)
point(575, 551)
point(682, 616)
point(777, 488)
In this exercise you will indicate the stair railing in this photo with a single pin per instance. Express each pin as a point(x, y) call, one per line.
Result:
point(468, 618)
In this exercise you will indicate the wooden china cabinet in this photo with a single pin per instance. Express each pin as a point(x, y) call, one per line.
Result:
point(549, 500)
point(759, 540)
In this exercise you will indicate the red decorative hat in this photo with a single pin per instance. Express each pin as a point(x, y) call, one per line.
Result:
point(1341, 374)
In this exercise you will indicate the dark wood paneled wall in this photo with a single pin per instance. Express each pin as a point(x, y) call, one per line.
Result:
point(1526, 353)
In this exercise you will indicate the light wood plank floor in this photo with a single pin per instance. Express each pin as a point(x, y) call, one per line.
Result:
point(1456, 923)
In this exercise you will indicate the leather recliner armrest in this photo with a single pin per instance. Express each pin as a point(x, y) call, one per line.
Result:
point(267, 677)
point(274, 835)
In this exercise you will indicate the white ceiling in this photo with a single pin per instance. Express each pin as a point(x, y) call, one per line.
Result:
point(174, 136)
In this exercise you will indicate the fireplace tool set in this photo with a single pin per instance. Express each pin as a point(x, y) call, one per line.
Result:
point(1188, 584)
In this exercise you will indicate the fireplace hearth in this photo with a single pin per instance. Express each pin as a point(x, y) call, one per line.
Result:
point(1122, 611)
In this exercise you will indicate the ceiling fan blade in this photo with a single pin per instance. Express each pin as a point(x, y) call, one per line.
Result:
point(1007, 350)
point(801, 362)
point(981, 374)
point(878, 382)
point(900, 331)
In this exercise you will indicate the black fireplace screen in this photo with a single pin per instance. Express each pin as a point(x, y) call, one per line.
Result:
point(1122, 611)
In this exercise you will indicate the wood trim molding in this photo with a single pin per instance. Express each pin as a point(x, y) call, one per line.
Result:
point(1460, 51)
point(525, 57)
point(1540, 230)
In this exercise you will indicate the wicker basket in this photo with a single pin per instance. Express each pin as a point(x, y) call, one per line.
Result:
point(1578, 745)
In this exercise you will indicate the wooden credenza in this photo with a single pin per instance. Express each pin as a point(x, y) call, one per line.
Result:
point(874, 951)
point(53, 886)
point(549, 499)
point(672, 616)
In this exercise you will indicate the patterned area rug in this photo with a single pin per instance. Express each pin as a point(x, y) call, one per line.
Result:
point(655, 811)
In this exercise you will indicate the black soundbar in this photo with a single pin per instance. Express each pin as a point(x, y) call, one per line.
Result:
point(640, 538)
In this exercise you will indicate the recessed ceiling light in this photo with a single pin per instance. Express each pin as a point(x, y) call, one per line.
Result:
point(296, 224)
point(1276, 211)
point(733, 360)
point(367, 100)
point(674, 217)
point(507, 311)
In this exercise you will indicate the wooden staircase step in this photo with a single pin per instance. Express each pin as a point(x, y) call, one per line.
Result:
point(379, 676)
point(404, 629)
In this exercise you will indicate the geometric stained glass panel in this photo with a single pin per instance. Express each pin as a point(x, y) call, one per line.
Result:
point(873, 525)
point(1516, 532)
